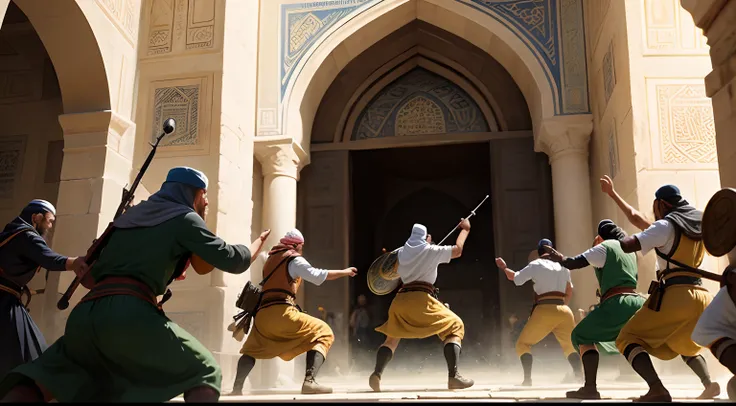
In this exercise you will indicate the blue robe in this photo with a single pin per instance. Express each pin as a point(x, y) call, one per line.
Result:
point(20, 339)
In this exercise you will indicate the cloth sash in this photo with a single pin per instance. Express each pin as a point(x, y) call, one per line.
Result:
point(122, 285)
point(425, 287)
point(618, 290)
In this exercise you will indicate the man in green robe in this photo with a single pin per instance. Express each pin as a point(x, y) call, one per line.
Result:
point(118, 345)
point(617, 274)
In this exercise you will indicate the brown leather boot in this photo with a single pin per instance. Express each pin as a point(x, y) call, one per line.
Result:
point(586, 392)
point(458, 382)
point(311, 387)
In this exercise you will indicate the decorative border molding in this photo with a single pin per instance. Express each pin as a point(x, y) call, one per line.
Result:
point(552, 29)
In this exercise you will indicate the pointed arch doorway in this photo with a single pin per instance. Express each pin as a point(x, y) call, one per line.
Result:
point(410, 131)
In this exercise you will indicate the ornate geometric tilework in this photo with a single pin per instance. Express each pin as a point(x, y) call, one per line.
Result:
point(419, 102)
point(182, 104)
point(551, 29)
point(686, 124)
point(303, 25)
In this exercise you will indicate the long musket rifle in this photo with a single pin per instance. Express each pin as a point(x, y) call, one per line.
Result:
point(99, 244)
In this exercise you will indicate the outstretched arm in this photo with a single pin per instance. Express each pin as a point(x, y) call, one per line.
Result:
point(300, 268)
point(570, 263)
point(633, 215)
point(198, 239)
point(519, 278)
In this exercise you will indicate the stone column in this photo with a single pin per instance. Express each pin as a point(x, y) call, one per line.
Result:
point(281, 162)
point(716, 18)
point(98, 147)
point(565, 140)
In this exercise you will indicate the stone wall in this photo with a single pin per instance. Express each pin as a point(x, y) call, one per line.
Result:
point(653, 122)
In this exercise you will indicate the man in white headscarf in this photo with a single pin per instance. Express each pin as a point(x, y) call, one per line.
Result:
point(416, 311)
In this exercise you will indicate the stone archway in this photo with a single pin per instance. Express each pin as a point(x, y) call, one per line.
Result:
point(294, 135)
point(90, 129)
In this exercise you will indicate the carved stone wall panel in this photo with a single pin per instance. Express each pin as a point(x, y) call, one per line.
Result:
point(612, 141)
point(200, 24)
point(682, 124)
point(179, 25)
point(21, 86)
point(609, 73)
point(595, 14)
point(574, 69)
point(12, 151)
point(669, 29)
point(161, 26)
point(188, 101)
point(123, 14)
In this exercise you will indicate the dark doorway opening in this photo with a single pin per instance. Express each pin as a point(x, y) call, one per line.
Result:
point(394, 188)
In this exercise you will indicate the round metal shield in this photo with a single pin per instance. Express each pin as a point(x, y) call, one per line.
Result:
point(719, 223)
point(383, 275)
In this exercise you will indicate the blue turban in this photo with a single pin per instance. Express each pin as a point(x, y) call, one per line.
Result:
point(175, 198)
point(188, 176)
point(542, 243)
point(671, 194)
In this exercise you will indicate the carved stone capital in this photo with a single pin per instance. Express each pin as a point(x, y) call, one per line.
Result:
point(562, 135)
point(280, 157)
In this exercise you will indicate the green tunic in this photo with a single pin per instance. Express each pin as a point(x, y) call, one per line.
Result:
point(121, 348)
point(602, 325)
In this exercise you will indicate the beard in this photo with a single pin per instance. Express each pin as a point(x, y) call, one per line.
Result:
point(42, 231)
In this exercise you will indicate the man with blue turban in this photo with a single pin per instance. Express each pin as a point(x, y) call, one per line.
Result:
point(664, 325)
point(23, 252)
point(118, 345)
point(550, 313)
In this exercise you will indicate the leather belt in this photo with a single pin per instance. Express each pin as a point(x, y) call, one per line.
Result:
point(549, 295)
point(618, 290)
point(122, 285)
point(425, 287)
point(558, 302)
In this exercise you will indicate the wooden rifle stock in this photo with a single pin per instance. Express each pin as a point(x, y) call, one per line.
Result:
point(99, 244)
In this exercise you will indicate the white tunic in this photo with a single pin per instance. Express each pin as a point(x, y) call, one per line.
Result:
point(661, 235)
point(717, 321)
point(548, 276)
point(423, 265)
point(299, 267)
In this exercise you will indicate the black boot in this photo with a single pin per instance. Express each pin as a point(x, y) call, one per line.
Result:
point(383, 356)
point(245, 365)
point(642, 364)
point(590, 366)
point(526, 363)
point(315, 360)
point(455, 381)
point(698, 365)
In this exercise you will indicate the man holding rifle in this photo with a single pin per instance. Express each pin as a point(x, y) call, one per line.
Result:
point(23, 252)
point(118, 345)
point(664, 325)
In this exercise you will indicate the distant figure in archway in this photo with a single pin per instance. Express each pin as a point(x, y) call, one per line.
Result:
point(550, 313)
point(416, 311)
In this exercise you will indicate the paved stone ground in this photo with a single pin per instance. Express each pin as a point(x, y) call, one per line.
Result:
point(355, 389)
